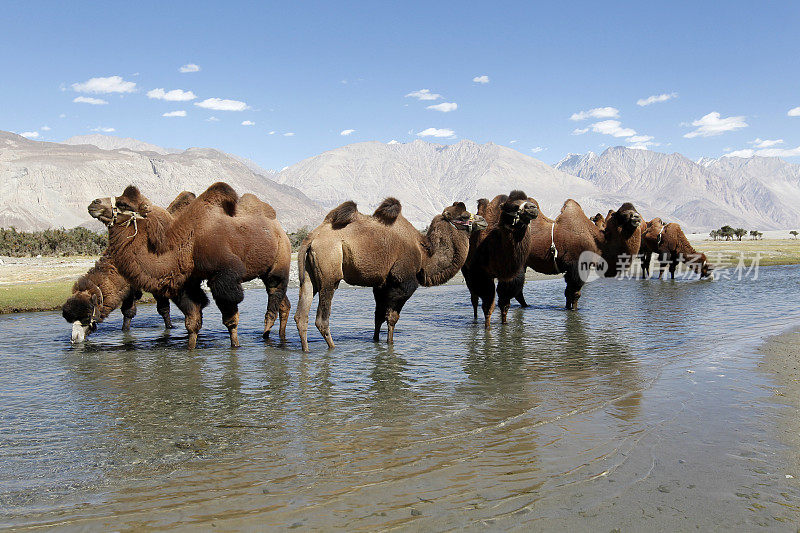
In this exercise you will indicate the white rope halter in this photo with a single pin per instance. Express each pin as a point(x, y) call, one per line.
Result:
point(553, 249)
point(658, 242)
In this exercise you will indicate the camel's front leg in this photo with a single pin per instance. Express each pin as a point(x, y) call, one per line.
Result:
point(324, 314)
point(397, 295)
point(162, 306)
point(472, 286)
point(226, 287)
point(506, 290)
point(283, 312)
point(191, 302)
point(128, 309)
point(574, 285)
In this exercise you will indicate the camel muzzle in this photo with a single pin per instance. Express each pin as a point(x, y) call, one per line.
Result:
point(478, 223)
point(79, 332)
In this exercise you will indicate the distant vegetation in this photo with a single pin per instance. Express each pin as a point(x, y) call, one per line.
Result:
point(297, 237)
point(52, 242)
point(728, 233)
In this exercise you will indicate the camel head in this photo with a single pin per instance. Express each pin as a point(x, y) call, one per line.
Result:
point(599, 221)
point(111, 211)
point(703, 267)
point(461, 219)
point(624, 220)
point(517, 211)
point(103, 210)
point(81, 310)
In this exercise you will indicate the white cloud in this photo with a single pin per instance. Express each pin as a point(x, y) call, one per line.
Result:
point(30, 134)
point(89, 100)
point(712, 124)
point(104, 130)
point(640, 138)
point(393, 141)
point(248, 123)
point(112, 84)
point(180, 113)
point(579, 131)
point(537, 149)
point(656, 98)
point(272, 133)
point(444, 107)
point(189, 67)
point(346, 132)
point(62, 115)
point(765, 152)
point(424, 94)
point(513, 141)
point(175, 95)
point(46, 128)
point(212, 119)
point(219, 104)
point(289, 134)
point(765, 143)
point(481, 79)
point(597, 112)
point(613, 128)
point(794, 112)
point(436, 132)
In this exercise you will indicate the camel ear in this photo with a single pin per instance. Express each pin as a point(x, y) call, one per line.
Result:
point(132, 193)
point(460, 205)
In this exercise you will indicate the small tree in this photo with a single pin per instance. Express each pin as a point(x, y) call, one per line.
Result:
point(740, 232)
point(714, 234)
point(727, 232)
point(793, 233)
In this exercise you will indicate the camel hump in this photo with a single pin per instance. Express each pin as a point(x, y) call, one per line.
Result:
point(388, 211)
point(517, 195)
point(342, 215)
point(252, 204)
point(483, 203)
point(571, 205)
point(222, 195)
point(181, 201)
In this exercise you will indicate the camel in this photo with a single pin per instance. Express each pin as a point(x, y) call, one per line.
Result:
point(383, 251)
point(218, 237)
point(500, 251)
point(102, 289)
point(672, 247)
point(557, 246)
point(599, 221)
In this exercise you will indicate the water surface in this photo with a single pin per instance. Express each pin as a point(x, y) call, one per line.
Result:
point(643, 409)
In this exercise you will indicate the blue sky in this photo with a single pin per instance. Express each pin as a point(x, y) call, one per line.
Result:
point(730, 74)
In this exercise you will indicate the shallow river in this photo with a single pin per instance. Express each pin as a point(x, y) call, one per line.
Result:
point(644, 409)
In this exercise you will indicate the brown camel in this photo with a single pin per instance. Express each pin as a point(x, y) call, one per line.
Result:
point(500, 251)
point(218, 237)
point(557, 246)
point(599, 221)
point(383, 251)
point(102, 289)
point(672, 247)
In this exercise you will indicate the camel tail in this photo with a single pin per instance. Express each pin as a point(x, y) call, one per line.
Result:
point(342, 215)
point(301, 262)
point(388, 211)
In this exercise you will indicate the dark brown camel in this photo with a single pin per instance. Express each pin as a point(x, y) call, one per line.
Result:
point(557, 246)
point(383, 251)
point(500, 251)
point(218, 237)
point(102, 289)
point(672, 247)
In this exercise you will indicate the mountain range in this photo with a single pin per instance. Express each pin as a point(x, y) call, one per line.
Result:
point(46, 184)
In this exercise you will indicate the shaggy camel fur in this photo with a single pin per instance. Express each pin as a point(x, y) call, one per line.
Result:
point(599, 221)
point(218, 237)
point(383, 251)
point(556, 247)
point(500, 251)
point(672, 247)
point(102, 289)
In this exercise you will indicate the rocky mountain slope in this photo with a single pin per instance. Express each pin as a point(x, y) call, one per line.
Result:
point(45, 185)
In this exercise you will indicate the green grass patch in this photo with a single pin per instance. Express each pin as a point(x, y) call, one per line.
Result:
point(45, 296)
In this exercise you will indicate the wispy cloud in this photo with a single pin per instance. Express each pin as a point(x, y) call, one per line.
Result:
point(111, 84)
point(45, 128)
point(597, 112)
point(89, 100)
point(713, 124)
point(212, 119)
point(639, 138)
point(189, 67)
point(656, 98)
point(104, 130)
point(481, 79)
point(424, 94)
point(765, 143)
point(289, 134)
point(272, 133)
point(346, 132)
point(444, 107)
point(794, 112)
point(219, 104)
point(765, 152)
point(579, 131)
point(248, 123)
point(393, 141)
point(513, 141)
point(437, 132)
point(537, 149)
point(613, 128)
point(30, 134)
point(180, 113)
point(175, 95)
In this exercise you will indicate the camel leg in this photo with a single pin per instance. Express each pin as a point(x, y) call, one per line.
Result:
point(380, 310)
point(276, 290)
point(128, 309)
point(283, 312)
point(484, 288)
point(469, 279)
point(646, 258)
point(162, 306)
point(303, 307)
point(226, 287)
point(663, 261)
point(191, 302)
point(672, 266)
point(398, 295)
point(573, 289)
point(506, 290)
point(324, 314)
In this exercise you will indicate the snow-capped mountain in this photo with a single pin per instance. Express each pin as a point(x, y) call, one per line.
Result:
point(756, 192)
point(427, 177)
point(46, 185)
